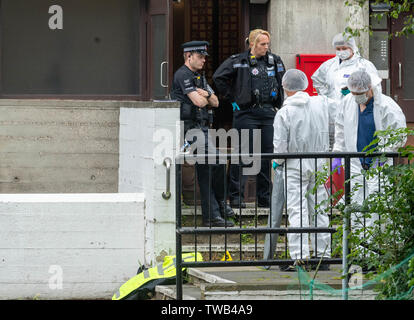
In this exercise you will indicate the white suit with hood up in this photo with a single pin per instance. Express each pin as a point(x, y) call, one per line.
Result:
point(387, 115)
point(302, 125)
point(332, 76)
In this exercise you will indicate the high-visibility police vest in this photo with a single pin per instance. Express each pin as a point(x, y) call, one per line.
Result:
point(142, 286)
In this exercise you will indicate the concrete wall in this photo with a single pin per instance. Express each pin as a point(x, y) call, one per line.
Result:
point(49, 146)
point(308, 26)
point(72, 146)
point(147, 136)
point(69, 246)
point(62, 217)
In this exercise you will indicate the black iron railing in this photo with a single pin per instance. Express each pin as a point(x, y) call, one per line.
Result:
point(256, 230)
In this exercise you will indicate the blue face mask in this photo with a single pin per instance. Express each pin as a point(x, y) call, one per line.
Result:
point(345, 91)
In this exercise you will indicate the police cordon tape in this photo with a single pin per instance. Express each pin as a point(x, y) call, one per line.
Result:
point(142, 286)
point(311, 288)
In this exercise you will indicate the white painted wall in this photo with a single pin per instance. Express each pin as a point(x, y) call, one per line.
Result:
point(90, 243)
point(146, 137)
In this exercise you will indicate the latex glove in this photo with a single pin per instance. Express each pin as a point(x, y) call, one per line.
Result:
point(336, 163)
point(378, 163)
point(235, 106)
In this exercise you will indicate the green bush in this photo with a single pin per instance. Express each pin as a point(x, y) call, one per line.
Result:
point(391, 239)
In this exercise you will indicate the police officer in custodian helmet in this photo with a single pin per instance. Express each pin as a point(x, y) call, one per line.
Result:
point(195, 95)
point(251, 82)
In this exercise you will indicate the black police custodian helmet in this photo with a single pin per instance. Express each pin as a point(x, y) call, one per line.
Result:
point(196, 46)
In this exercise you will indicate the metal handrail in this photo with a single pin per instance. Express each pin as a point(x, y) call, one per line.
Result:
point(293, 155)
point(167, 163)
point(259, 230)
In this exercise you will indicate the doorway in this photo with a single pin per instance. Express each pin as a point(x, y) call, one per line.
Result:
point(402, 70)
point(224, 24)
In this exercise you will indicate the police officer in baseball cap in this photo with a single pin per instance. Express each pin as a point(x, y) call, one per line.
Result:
point(195, 95)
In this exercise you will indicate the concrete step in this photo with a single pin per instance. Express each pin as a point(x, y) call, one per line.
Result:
point(218, 241)
point(250, 218)
point(255, 292)
point(168, 292)
point(252, 245)
point(189, 239)
point(249, 251)
point(249, 211)
point(256, 283)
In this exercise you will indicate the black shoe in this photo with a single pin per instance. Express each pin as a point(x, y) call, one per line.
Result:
point(236, 204)
point(218, 222)
point(225, 210)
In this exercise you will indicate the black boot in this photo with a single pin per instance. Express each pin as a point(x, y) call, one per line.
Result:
point(218, 222)
point(225, 210)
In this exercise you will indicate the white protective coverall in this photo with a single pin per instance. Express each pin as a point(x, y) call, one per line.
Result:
point(387, 114)
point(332, 76)
point(302, 125)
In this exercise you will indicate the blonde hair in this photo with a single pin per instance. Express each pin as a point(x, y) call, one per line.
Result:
point(254, 36)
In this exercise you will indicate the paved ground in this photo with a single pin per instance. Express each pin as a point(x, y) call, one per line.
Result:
point(273, 276)
point(257, 283)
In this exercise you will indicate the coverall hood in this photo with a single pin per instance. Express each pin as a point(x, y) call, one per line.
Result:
point(299, 99)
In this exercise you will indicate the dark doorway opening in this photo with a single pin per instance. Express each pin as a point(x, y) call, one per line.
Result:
point(224, 24)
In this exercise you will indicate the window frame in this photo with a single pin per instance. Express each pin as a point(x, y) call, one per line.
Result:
point(142, 71)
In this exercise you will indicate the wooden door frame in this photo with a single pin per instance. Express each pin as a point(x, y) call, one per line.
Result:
point(243, 24)
point(142, 72)
point(397, 55)
point(158, 7)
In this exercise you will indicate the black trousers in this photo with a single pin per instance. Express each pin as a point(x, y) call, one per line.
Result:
point(211, 181)
point(253, 118)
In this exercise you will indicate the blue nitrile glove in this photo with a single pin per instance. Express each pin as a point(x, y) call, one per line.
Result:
point(345, 91)
point(378, 163)
point(275, 165)
point(336, 163)
point(235, 106)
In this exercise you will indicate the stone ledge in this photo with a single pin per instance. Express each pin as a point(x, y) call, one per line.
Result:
point(99, 104)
